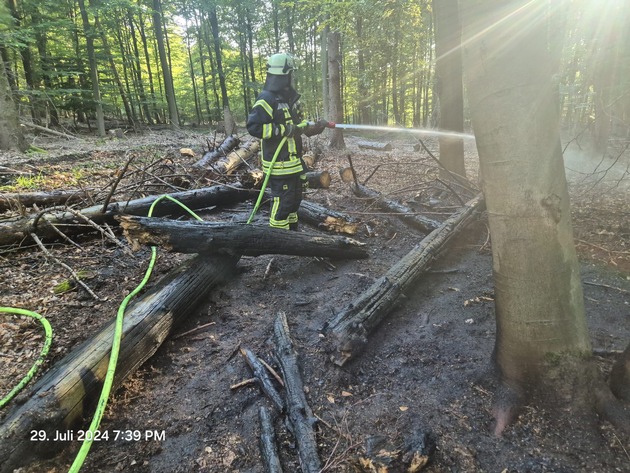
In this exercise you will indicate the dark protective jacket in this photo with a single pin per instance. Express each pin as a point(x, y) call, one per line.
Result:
point(267, 121)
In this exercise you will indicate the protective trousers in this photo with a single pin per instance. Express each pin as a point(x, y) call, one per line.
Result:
point(286, 193)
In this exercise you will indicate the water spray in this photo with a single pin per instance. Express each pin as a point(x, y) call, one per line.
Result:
point(415, 131)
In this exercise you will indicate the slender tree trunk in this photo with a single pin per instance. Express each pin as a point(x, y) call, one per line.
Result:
point(10, 133)
point(513, 101)
point(169, 89)
point(230, 125)
point(448, 75)
point(325, 80)
point(96, 89)
point(334, 76)
point(138, 69)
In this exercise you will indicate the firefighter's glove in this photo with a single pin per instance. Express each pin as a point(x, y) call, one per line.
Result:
point(316, 128)
point(291, 130)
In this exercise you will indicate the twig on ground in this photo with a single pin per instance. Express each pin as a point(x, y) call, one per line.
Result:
point(196, 329)
point(74, 275)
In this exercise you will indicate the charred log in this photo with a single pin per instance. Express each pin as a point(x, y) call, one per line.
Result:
point(327, 219)
point(220, 151)
point(350, 328)
point(236, 238)
point(16, 230)
point(67, 393)
point(375, 145)
point(299, 413)
point(406, 214)
point(43, 199)
point(235, 159)
point(263, 379)
point(620, 376)
point(268, 449)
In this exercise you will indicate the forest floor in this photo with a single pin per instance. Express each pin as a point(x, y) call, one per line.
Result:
point(418, 373)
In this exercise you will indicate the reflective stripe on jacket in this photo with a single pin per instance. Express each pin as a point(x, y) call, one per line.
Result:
point(267, 121)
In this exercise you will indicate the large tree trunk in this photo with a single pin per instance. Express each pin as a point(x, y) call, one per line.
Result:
point(236, 238)
point(513, 101)
point(448, 75)
point(67, 393)
point(11, 136)
point(349, 329)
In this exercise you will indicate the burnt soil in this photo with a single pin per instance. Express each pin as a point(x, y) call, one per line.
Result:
point(417, 378)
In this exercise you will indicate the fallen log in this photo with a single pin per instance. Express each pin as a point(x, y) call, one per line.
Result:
point(67, 393)
point(233, 160)
point(236, 239)
point(264, 380)
point(320, 217)
point(223, 149)
point(43, 199)
point(318, 179)
point(268, 450)
point(299, 413)
point(49, 131)
point(374, 145)
point(16, 230)
point(406, 214)
point(349, 329)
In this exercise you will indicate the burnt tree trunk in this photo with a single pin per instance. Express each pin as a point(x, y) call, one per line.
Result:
point(327, 219)
point(222, 150)
point(67, 393)
point(349, 329)
point(268, 449)
point(299, 413)
point(16, 230)
point(43, 199)
point(620, 376)
point(233, 160)
point(404, 213)
point(236, 238)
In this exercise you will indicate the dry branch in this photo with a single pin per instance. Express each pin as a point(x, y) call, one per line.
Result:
point(299, 413)
point(404, 213)
point(236, 238)
point(349, 329)
point(67, 393)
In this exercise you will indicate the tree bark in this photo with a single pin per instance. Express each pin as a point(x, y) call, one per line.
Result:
point(167, 74)
point(349, 329)
point(299, 413)
point(66, 394)
point(515, 116)
point(404, 213)
point(620, 376)
point(236, 239)
point(16, 230)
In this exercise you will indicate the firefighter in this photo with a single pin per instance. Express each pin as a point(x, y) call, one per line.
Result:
point(276, 120)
